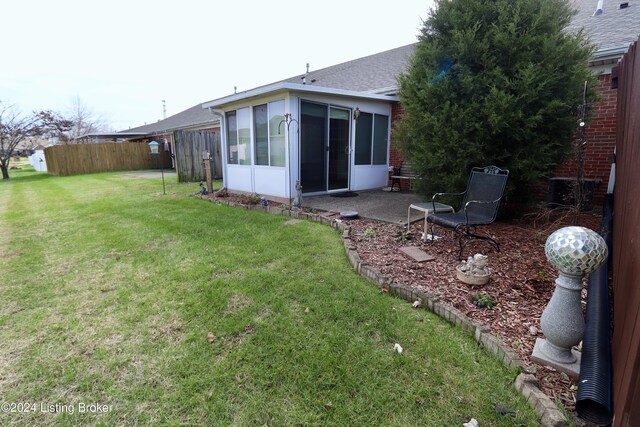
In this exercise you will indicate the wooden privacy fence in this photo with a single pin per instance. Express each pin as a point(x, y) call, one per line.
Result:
point(189, 146)
point(64, 160)
point(626, 246)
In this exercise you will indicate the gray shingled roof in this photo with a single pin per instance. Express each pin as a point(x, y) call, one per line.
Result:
point(193, 116)
point(615, 28)
point(374, 73)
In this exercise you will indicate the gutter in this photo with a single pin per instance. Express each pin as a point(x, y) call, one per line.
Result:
point(286, 86)
point(223, 140)
point(204, 125)
point(608, 56)
point(112, 135)
point(614, 51)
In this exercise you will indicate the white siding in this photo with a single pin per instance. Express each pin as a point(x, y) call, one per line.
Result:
point(38, 161)
point(270, 181)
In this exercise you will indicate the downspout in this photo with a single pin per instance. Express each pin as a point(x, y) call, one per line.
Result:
point(223, 143)
point(593, 400)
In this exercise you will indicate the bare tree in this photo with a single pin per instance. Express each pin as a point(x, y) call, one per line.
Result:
point(15, 127)
point(84, 121)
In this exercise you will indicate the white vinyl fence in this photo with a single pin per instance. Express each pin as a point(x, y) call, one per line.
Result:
point(38, 161)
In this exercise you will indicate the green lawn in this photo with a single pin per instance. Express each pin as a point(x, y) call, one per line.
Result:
point(109, 290)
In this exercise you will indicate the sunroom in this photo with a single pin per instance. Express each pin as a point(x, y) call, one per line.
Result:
point(327, 140)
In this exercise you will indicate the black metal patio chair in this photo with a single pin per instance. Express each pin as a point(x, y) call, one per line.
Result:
point(480, 203)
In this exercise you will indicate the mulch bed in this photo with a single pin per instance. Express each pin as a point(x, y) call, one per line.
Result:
point(521, 284)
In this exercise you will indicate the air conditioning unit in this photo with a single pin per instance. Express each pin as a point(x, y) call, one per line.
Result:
point(562, 192)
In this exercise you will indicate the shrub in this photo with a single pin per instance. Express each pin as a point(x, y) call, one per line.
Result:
point(483, 300)
point(249, 199)
point(492, 83)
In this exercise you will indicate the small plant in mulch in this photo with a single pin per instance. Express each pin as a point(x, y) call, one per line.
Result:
point(541, 276)
point(539, 281)
point(483, 300)
point(249, 199)
point(403, 235)
point(369, 233)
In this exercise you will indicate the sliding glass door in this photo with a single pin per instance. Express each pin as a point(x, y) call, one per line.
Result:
point(338, 177)
point(324, 147)
point(313, 158)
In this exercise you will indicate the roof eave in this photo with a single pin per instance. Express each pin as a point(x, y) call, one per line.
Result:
point(112, 135)
point(389, 90)
point(608, 56)
point(294, 87)
point(183, 127)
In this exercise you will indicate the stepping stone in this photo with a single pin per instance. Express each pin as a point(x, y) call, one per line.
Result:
point(292, 221)
point(416, 254)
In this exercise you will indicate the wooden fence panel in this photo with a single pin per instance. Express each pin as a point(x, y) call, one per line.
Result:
point(626, 246)
point(189, 146)
point(64, 160)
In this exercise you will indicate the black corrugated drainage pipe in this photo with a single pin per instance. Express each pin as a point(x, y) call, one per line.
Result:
point(593, 401)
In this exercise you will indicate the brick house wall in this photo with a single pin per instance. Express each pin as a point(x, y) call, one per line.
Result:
point(601, 140)
point(395, 158)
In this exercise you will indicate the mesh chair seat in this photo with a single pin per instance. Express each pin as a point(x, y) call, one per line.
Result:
point(457, 219)
point(480, 203)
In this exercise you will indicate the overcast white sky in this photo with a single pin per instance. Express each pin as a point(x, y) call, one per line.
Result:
point(123, 57)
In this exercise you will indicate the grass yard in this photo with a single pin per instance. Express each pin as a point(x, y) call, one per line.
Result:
point(109, 291)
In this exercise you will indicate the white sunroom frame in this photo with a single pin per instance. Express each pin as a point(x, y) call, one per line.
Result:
point(279, 183)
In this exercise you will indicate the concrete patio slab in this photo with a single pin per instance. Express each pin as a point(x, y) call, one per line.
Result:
point(373, 204)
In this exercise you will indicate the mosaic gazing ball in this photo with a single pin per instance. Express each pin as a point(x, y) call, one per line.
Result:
point(576, 250)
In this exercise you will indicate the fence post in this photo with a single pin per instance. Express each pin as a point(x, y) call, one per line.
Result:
point(206, 158)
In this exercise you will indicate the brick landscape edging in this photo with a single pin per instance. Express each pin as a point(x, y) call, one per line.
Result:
point(546, 410)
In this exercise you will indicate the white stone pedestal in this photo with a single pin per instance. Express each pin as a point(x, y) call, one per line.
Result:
point(539, 356)
point(575, 252)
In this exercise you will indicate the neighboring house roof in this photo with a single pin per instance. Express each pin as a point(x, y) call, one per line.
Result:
point(30, 143)
point(613, 30)
point(110, 136)
point(194, 116)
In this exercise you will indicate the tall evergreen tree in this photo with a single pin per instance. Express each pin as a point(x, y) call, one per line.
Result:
point(492, 82)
